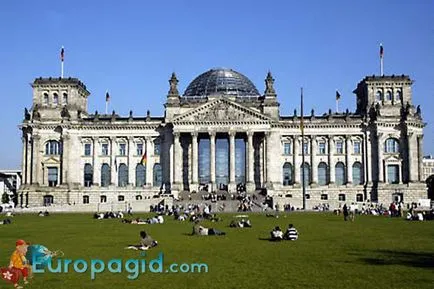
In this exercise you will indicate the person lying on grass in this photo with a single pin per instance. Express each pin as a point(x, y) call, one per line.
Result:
point(240, 224)
point(5, 222)
point(203, 231)
point(146, 242)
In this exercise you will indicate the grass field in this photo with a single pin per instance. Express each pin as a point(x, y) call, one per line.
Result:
point(372, 252)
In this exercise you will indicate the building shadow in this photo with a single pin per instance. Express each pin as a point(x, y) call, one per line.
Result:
point(404, 258)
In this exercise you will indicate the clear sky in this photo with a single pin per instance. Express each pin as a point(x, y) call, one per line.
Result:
point(132, 47)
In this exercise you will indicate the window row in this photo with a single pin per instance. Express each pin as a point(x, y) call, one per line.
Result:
point(55, 99)
point(322, 148)
point(323, 174)
point(122, 149)
point(103, 198)
point(341, 197)
point(388, 96)
point(122, 173)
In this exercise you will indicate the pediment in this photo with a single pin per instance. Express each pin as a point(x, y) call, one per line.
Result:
point(392, 159)
point(51, 161)
point(222, 110)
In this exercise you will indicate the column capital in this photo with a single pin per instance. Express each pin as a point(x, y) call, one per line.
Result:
point(348, 137)
point(420, 136)
point(212, 133)
point(36, 137)
point(130, 138)
point(250, 133)
point(194, 134)
point(232, 133)
point(176, 134)
point(148, 138)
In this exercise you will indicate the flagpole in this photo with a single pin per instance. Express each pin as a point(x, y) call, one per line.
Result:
point(381, 60)
point(302, 152)
point(62, 56)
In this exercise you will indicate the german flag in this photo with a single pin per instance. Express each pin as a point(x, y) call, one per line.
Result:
point(144, 159)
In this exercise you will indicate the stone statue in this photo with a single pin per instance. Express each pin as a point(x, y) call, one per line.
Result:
point(148, 115)
point(418, 111)
point(312, 112)
point(65, 113)
point(295, 112)
point(35, 113)
point(78, 113)
point(26, 114)
point(173, 82)
point(269, 84)
point(131, 114)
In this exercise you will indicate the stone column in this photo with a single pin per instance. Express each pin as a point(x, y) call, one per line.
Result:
point(232, 184)
point(96, 164)
point(29, 159)
point(194, 162)
point(348, 160)
point(65, 160)
point(149, 149)
point(177, 159)
point(380, 158)
point(212, 159)
point(251, 161)
point(420, 157)
point(314, 161)
point(113, 162)
point(297, 160)
point(23, 160)
point(131, 164)
point(368, 166)
point(332, 176)
point(36, 170)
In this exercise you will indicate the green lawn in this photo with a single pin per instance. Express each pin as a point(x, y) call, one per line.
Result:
point(372, 252)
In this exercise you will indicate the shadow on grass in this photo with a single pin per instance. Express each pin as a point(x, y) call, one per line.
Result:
point(410, 259)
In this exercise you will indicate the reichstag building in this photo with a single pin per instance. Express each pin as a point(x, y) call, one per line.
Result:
point(222, 134)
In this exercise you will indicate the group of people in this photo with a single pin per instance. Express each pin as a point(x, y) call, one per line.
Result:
point(243, 223)
point(43, 214)
point(349, 212)
point(159, 219)
point(291, 234)
point(108, 215)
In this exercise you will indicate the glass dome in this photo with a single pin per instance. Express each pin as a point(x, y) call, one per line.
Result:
point(221, 81)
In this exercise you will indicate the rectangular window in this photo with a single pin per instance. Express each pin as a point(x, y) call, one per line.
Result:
point(52, 176)
point(342, 197)
point(287, 148)
point(339, 147)
point(87, 149)
point(306, 148)
point(103, 199)
point(157, 148)
point(324, 197)
point(393, 174)
point(322, 148)
point(104, 149)
point(122, 149)
point(139, 149)
point(356, 146)
point(85, 199)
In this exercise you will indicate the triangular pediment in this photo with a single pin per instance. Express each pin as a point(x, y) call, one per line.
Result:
point(52, 161)
point(222, 110)
point(392, 159)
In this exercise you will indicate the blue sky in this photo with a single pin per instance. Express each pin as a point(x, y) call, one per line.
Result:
point(131, 48)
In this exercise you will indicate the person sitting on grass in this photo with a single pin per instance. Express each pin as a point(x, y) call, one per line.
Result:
point(291, 233)
point(5, 222)
point(276, 234)
point(203, 231)
point(146, 242)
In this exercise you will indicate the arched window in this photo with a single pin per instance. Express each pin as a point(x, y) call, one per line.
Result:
point(306, 169)
point(140, 175)
point(103, 199)
point(88, 175)
point(65, 98)
point(85, 199)
point(392, 145)
point(55, 99)
point(158, 175)
point(123, 175)
point(139, 198)
point(398, 95)
point(287, 174)
point(52, 147)
point(357, 173)
point(389, 95)
point(105, 175)
point(323, 174)
point(379, 95)
point(45, 98)
point(340, 174)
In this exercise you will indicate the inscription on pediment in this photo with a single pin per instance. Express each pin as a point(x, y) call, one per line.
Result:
point(221, 112)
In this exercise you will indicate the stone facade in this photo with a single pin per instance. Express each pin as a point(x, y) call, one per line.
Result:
point(371, 155)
